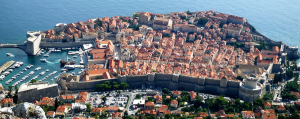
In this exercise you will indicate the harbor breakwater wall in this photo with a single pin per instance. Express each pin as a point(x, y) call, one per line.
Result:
point(63, 44)
point(171, 81)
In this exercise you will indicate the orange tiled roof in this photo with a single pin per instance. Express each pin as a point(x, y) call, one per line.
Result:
point(6, 100)
point(61, 109)
point(50, 113)
point(149, 104)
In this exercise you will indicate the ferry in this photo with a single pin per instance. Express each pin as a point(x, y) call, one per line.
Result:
point(43, 60)
point(38, 68)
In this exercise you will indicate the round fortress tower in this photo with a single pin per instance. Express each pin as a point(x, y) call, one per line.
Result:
point(251, 82)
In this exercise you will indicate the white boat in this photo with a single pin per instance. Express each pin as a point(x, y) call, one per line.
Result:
point(46, 55)
point(47, 70)
point(64, 69)
point(10, 70)
point(38, 68)
point(74, 56)
point(8, 54)
point(6, 73)
point(70, 67)
point(42, 73)
point(25, 69)
point(43, 60)
point(13, 77)
point(12, 67)
point(21, 63)
point(21, 72)
point(2, 77)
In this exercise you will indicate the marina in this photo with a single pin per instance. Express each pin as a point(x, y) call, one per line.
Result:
point(13, 73)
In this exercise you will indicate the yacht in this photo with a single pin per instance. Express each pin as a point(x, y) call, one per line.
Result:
point(42, 73)
point(8, 54)
point(70, 67)
point(6, 73)
point(38, 68)
point(43, 60)
point(2, 77)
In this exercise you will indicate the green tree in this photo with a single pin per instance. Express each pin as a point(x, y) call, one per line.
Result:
point(138, 96)
point(136, 15)
point(32, 81)
point(104, 98)
point(61, 102)
point(239, 78)
point(230, 110)
point(9, 92)
point(259, 102)
point(88, 107)
point(125, 113)
point(188, 12)
point(56, 104)
point(289, 72)
point(165, 91)
point(124, 85)
point(198, 102)
point(202, 21)
point(168, 116)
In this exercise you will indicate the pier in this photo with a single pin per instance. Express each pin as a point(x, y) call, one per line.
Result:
point(6, 65)
point(22, 47)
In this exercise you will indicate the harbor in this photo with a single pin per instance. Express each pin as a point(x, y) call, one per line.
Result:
point(41, 68)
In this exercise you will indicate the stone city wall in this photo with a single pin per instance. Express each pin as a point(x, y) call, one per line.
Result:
point(35, 94)
point(86, 85)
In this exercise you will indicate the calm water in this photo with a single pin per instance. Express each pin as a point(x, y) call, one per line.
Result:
point(277, 19)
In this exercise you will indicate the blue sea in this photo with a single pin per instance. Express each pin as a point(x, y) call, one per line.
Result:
point(276, 19)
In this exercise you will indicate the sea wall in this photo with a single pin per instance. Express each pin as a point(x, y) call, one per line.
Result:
point(63, 44)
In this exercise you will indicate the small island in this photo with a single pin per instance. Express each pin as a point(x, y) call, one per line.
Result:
point(217, 57)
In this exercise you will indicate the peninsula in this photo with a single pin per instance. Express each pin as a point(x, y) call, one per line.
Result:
point(205, 52)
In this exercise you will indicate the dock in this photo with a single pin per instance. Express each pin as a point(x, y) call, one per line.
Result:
point(77, 66)
point(6, 65)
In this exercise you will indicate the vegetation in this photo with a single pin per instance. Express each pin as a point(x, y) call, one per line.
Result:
point(202, 21)
point(88, 107)
point(268, 96)
point(47, 108)
point(278, 78)
point(138, 96)
point(136, 15)
point(32, 81)
point(9, 95)
point(289, 87)
point(188, 12)
point(56, 104)
point(107, 85)
point(239, 78)
point(135, 28)
point(166, 35)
